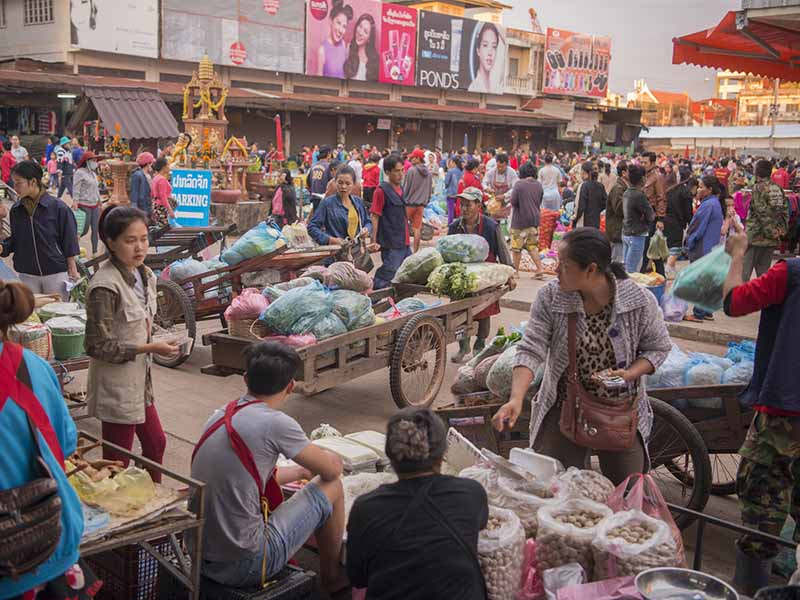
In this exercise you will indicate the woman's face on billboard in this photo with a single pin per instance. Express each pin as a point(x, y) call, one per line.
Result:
point(339, 27)
point(363, 32)
point(487, 49)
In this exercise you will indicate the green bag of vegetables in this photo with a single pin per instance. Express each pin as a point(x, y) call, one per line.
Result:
point(417, 267)
point(701, 282)
point(463, 247)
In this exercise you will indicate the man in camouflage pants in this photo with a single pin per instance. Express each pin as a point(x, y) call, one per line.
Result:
point(768, 482)
point(767, 221)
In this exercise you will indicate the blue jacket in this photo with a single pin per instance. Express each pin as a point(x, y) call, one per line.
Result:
point(42, 244)
point(141, 194)
point(451, 181)
point(776, 374)
point(330, 219)
point(17, 468)
point(705, 228)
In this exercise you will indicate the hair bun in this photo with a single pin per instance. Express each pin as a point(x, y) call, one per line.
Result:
point(16, 304)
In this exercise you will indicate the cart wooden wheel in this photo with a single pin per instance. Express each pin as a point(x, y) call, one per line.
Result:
point(174, 314)
point(723, 474)
point(674, 441)
point(416, 371)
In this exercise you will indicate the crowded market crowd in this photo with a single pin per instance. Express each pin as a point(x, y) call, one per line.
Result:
point(418, 536)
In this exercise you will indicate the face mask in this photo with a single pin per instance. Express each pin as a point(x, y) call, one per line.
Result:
point(92, 165)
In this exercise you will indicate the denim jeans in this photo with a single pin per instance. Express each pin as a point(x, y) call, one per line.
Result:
point(633, 246)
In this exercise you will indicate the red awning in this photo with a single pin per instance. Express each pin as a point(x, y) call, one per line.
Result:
point(742, 44)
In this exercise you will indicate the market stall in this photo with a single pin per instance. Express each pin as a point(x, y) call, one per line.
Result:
point(122, 519)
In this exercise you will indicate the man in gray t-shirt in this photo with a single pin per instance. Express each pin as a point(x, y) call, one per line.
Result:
point(237, 546)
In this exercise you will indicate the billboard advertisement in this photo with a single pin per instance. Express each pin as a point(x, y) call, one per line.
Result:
point(125, 27)
point(576, 64)
point(363, 40)
point(258, 34)
point(461, 54)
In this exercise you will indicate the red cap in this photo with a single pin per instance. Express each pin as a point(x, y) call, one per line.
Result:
point(87, 156)
point(418, 153)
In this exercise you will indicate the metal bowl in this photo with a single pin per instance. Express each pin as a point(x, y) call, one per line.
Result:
point(682, 584)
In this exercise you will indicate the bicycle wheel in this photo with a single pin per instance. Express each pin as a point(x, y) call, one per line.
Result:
point(723, 474)
point(417, 367)
point(676, 443)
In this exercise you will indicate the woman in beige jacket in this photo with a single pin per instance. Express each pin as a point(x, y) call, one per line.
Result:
point(120, 306)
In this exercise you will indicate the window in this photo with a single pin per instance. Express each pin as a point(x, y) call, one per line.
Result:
point(38, 12)
point(2, 13)
point(792, 108)
point(752, 108)
point(513, 67)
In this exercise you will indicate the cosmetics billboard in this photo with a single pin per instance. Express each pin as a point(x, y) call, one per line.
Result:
point(576, 64)
point(461, 54)
point(363, 40)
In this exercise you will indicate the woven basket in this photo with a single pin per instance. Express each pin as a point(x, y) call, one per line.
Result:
point(252, 329)
point(41, 345)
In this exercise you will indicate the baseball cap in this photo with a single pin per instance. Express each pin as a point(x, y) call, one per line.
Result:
point(418, 153)
point(472, 194)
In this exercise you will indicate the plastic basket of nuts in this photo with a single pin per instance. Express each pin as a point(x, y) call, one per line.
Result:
point(500, 552)
point(566, 531)
point(630, 542)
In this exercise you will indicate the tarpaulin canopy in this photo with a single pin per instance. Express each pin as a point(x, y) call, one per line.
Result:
point(140, 113)
point(742, 44)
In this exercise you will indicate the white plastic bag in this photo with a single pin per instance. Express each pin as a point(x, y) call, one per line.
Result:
point(630, 542)
point(566, 531)
point(487, 476)
point(670, 373)
point(525, 499)
point(583, 483)
point(500, 552)
point(560, 577)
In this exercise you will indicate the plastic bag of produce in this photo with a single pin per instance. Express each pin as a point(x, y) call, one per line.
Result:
point(741, 372)
point(295, 341)
point(525, 498)
point(247, 305)
point(489, 275)
point(260, 240)
point(500, 553)
point(741, 351)
point(183, 269)
point(499, 343)
point(407, 306)
point(344, 275)
point(354, 309)
point(451, 280)
point(328, 326)
point(674, 309)
point(561, 577)
point(658, 249)
point(630, 542)
point(670, 373)
point(482, 371)
point(701, 282)
point(273, 292)
point(296, 311)
point(566, 531)
point(721, 361)
point(463, 248)
point(296, 236)
point(702, 372)
point(465, 382)
point(487, 477)
point(66, 325)
point(584, 483)
point(417, 267)
point(641, 492)
point(500, 375)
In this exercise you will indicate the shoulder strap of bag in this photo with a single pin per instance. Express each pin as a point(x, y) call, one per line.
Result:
point(572, 344)
point(11, 364)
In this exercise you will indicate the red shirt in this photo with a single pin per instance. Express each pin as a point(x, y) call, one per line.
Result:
point(378, 200)
point(469, 179)
point(722, 174)
point(371, 175)
point(781, 177)
point(757, 294)
point(7, 161)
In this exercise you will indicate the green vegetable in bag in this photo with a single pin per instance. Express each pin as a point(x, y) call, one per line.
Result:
point(658, 249)
point(701, 282)
point(417, 267)
point(463, 247)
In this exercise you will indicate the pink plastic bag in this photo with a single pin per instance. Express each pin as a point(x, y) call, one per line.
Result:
point(645, 496)
point(531, 586)
point(621, 588)
point(295, 341)
point(247, 305)
point(277, 202)
point(359, 594)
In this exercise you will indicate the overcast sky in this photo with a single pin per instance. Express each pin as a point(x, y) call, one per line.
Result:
point(641, 36)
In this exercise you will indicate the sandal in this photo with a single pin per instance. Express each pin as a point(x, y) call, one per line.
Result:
point(708, 318)
point(692, 319)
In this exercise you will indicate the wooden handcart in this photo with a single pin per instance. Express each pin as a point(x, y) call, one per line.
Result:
point(414, 347)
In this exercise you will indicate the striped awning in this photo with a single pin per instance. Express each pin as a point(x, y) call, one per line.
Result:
point(140, 113)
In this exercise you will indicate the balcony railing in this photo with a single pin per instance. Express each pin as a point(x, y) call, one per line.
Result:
point(521, 85)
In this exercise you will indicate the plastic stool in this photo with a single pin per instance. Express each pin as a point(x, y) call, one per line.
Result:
point(291, 584)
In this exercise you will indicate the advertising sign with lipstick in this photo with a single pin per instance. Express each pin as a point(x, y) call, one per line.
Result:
point(398, 44)
point(576, 64)
point(461, 54)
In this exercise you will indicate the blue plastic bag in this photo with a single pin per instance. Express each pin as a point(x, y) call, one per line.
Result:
point(260, 240)
point(701, 282)
point(328, 326)
point(353, 309)
point(298, 310)
point(741, 351)
point(741, 372)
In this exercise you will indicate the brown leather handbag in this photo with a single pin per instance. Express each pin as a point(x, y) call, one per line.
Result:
point(589, 421)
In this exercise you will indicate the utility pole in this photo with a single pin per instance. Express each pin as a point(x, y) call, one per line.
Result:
point(773, 113)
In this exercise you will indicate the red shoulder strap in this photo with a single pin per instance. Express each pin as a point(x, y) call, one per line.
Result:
point(23, 396)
